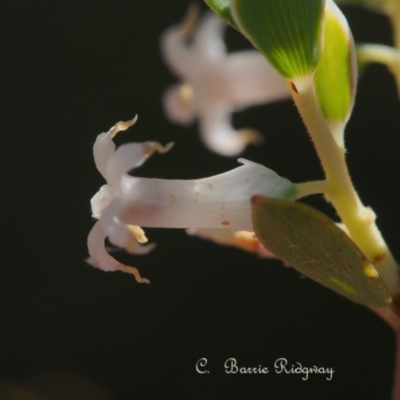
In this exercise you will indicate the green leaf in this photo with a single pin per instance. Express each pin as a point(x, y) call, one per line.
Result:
point(310, 242)
point(287, 32)
point(335, 78)
point(222, 9)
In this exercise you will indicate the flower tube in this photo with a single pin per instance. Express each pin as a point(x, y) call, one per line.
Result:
point(128, 203)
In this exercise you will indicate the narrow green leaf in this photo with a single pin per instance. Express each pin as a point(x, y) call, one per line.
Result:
point(287, 32)
point(310, 242)
point(335, 78)
point(222, 9)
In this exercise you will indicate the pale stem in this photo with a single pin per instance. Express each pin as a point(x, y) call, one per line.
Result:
point(359, 220)
point(313, 187)
point(394, 15)
point(395, 19)
point(390, 57)
point(379, 53)
point(382, 54)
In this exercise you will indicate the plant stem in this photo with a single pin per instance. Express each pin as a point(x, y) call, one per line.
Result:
point(379, 53)
point(394, 15)
point(391, 58)
point(313, 187)
point(382, 54)
point(359, 220)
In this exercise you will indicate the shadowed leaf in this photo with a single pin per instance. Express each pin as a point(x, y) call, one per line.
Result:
point(310, 242)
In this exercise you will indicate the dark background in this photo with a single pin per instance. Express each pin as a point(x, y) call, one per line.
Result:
point(70, 70)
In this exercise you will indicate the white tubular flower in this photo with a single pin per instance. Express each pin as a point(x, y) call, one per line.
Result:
point(112, 169)
point(215, 84)
point(212, 204)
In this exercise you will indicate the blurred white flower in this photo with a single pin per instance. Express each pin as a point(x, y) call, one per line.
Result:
point(207, 206)
point(214, 84)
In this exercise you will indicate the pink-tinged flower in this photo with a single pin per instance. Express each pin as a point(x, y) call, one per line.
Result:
point(217, 208)
point(214, 84)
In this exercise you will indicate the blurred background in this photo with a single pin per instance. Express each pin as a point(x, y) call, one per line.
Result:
point(71, 70)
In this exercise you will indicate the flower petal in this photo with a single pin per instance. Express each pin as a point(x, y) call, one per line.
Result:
point(219, 135)
point(99, 257)
point(215, 84)
point(207, 40)
point(129, 156)
point(101, 200)
point(252, 80)
point(104, 147)
point(173, 44)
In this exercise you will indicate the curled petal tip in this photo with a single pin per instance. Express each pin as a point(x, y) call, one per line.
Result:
point(151, 147)
point(251, 136)
point(190, 20)
point(101, 259)
point(133, 271)
point(122, 126)
point(120, 267)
